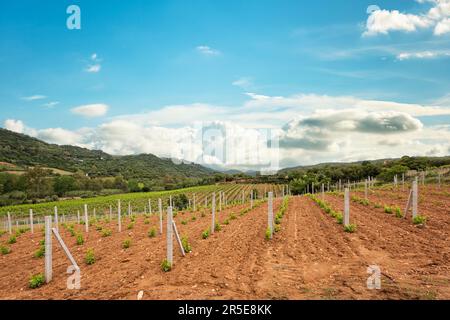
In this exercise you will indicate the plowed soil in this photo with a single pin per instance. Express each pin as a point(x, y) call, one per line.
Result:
point(310, 258)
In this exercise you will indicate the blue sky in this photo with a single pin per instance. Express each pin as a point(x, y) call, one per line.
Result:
point(163, 65)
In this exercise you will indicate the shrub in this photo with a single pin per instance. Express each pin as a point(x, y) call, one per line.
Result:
point(186, 245)
point(277, 219)
point(80, 239)
point(2, 232)
point(130, 226)
point(98, 227)
point(40, 253)
point(126, 243)
point(205, 234)
point(194, 218)
point(217, 227)
point(42, 242)
point(387, 209)
point(277, 228)
point(226, 222)
point(4, 250)
point(268, 234)
point(233, 216)
point(339, 218)
point(12, 239)
point(146, 221)
point(90, 256)
point(419, 220)
point(350, 228)
point(152, 232)
point(106, 233)
point(71, 231)
point(166, 266)
point(203, 214)
point(184, 222)
point(36, 281)
point(378, 205)
point(398, 212)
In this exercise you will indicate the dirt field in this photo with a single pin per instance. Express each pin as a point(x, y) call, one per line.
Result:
point(310, 258)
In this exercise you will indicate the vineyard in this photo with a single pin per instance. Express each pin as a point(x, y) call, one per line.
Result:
point(236, 242)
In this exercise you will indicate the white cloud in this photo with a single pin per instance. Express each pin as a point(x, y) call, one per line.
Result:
point(14, 125)
point(385, 21)
point(311, 128)
point(34, 97)
point(51, 104)
point(245, 83)
point(94, 66)
point(208, 51)
point(91, 110)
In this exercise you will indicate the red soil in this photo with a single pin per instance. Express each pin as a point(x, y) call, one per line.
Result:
point(310, 258)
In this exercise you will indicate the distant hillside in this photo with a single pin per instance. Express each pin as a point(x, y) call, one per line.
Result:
point(23, 151)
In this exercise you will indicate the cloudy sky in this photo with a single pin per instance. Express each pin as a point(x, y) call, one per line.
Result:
point(244, 84)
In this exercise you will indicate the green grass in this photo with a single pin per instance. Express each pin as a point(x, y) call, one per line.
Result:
point(185, 243)
point(126, 243)
point(36, 281)
point(80, 239)
point(90, 257)
point(12, 239)
point(166, 266)
point(152, 232)
point(419, 220)
point(205, 234)
point(5, 250)
point(351, 228)
point(106, 233)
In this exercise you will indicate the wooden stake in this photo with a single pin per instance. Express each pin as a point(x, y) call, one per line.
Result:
point(78, 216)
point(119, 216)
point(56, 218)
point(347, 207)
point(86, 218)
point(9, 223)
point(213, 212)
point(48, 249)
point(160, 216)
point(270, 214)
point(415, 193)
point(31, 221)
point(169, 236)
point(177, 236)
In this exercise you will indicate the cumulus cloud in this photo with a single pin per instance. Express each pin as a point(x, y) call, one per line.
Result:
point(14, 125)
point(385, 21)
point(91, 110)
point(303, 129)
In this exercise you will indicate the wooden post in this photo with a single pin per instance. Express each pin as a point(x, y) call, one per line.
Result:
point(439, 180)
point(31, 221)
point(213, 221)
point(415, 192)
point(270, 214)
point(9, 223)
point(365, 189)
point(119, 216)
point(340, 185)
point(403, 181)
point(243, 197)
point(206, 201)
point(56, 218)
point(129, 208)
point(423, 178)
point(312, 188)
point(149, 206)
point(195, 205)
point(347, 207)
point(110, 212)
point(177, 236)
point(220, 201)
point(251, 200)
point(169, 236)
point(170, 201)
point(78, 216)
point(86, 218)
point(160, 216)
point(48, 249)
point(323, 192)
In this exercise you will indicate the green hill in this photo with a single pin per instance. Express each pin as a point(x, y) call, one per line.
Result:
point(24, 151)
